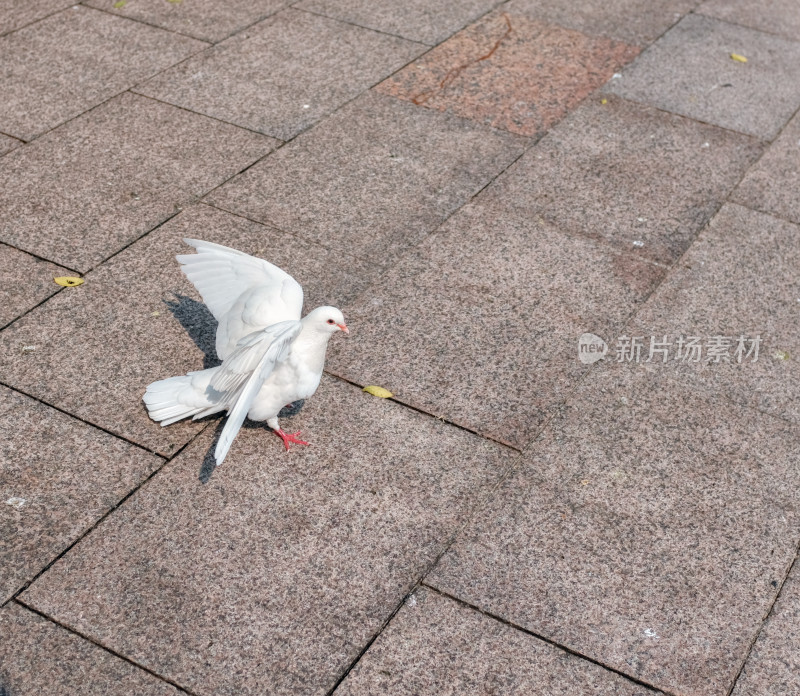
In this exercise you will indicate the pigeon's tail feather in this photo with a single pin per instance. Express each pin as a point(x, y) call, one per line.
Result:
point(173, 399)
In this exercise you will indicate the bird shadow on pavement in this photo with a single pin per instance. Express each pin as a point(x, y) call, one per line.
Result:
point(199, 323)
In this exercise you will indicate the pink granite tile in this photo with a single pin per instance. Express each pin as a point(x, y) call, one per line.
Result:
point(137, 319)
point(435, 645)
point(509, 72)
point(209, 20)
point(64, 65)
point(372, 179)
point(773, 667)
point(776, 16)
point(772, 184)
point(273, 575)
point(85, 190)
point(39, 658)
point(609, 171)
point(636, 22)
point(24, 282)
point(284, 74)
point(648, 529)
point(741, 277)
point(418, 20)
point(478, 324)
point(59, 476)
point(690, 71)
point(15, 14)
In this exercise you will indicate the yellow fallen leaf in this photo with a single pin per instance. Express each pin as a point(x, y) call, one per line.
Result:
point(604, 101)
point(738, 58)
point(119, 5)
point(782, 355)
point(378, 391)
point(68, 281)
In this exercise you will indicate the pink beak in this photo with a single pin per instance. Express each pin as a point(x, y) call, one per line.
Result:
point(344, 328)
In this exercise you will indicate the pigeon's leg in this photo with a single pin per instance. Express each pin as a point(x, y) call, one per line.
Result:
point(290, 437)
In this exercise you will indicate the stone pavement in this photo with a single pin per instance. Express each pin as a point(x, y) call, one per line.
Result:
point(477, 185)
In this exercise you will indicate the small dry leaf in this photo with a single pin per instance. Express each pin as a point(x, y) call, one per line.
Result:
point(604, 101)
point(68, 281)
point(380, 392)
point(119, 5)
point(738, 58)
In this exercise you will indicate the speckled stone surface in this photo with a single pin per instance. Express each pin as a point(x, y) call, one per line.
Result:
point(772, 184)
point(209, 20)
point(24, 282)
point(634, 21)
point(274, 574)
point(776, 16)
point(15, 14)
point(649, 529)
point(690, 71)
point(61, 476)
point(435, 645)
point(85, 190)
point(7, 144)
point(480, 324)
point(284, 74)
point(40, 658)
point(773, 667)
point(64, 65)
point(372, 179)
point(609, 171)
point(418, 20)
point(741, 277)
point(137, 319)
point(509, 72)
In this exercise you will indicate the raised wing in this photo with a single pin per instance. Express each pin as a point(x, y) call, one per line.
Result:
point(245, 371)
point(222, 275)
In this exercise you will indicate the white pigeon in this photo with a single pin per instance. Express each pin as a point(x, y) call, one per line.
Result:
point(270, 357)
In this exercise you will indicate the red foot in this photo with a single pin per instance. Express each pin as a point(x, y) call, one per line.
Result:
point(289, 437)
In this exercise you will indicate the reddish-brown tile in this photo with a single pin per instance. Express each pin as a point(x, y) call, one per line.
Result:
point(646, 180)
point(648, 529)
point(773, 668)
point(83, 191)
point(271, 577)
point(479, 324)
point(58, 477)
point(24, 282)
point(39, 658)
point(66, 64)
point(510, 72)
point(137, 319)
point(210, 20)
point(435, 645)
point(772, 184)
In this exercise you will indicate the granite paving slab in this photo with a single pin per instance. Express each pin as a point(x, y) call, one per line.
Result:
point(39, 658)
point(510, 72)
point(478, 325)
point(740, 281)
point(775, 16)
point(58, 477)
point(273, 575)
point(435, 645)
point(373, 179)
point(284, 74)
point(24, 282)
point(648, 529)
point(15, 14)
point(7, 144)
point(643, 179)
point(772, 184)
point(64, 65)
point(690, 71)
point(87, 189)
point(209, 20)
point(137, 319)
point(636, 22)
point(773, 667)
point(418, 20)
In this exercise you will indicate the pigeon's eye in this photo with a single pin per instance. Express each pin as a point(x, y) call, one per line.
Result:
point(331, 321)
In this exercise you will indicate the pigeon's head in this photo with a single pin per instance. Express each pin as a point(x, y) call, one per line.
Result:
point(326, 320)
